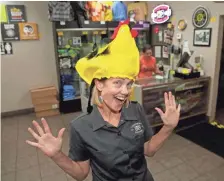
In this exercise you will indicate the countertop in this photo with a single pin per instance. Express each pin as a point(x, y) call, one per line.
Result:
point(158, 82)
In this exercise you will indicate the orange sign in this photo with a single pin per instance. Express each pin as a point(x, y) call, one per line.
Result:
point(28, 31)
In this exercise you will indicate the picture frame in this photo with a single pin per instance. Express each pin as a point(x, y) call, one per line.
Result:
point(202, 37)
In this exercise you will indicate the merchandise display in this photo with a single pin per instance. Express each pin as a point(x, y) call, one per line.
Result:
point(137, 11)
point(119, 10)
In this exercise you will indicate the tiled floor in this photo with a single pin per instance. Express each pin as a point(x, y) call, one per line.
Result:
point(178, 160)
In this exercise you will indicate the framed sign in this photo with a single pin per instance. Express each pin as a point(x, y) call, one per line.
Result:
point(161, 14)
point(10, 32)
point(200, 17)
point(16, 13)
point(202, 37)
point(6, 48)
point(28, 31)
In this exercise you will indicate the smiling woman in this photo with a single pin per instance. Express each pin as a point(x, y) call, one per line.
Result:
point(114, 136)
point(114, 92)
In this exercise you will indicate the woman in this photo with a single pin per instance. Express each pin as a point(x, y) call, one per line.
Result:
point(147, 63)
point(114, 137)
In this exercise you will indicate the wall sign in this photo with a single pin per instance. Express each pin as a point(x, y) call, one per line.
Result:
point(182, 24)
point(6, 48)
point(16, 13)
point(161, 14)
point(28, 31)
point(200, 17)
point(10, 32)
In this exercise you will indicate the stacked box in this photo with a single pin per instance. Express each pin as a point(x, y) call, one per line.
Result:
point(45, 101)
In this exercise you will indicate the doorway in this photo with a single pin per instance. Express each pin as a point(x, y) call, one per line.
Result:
point(220, 96)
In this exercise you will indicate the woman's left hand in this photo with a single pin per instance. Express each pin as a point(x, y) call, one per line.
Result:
point(172, 112)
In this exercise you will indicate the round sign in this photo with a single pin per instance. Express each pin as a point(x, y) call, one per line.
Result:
point(182, 24)
point(200, 17)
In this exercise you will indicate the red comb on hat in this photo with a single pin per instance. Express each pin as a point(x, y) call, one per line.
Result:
point(134, 33)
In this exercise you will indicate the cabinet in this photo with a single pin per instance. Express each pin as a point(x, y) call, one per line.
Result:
point(192, 94)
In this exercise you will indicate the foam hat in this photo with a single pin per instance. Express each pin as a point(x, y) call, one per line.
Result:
point(119, 58)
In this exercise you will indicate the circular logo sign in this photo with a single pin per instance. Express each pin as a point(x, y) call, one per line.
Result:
point(182, 24)
point(161, 14)
point(200, 17)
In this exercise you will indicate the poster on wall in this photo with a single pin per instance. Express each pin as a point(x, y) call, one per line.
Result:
point(6, 48)
point(10, 32)
point(16, 13)
point(165, 52)
point(3, 15)
point(28, 31)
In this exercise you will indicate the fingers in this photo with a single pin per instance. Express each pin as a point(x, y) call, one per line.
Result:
point(174, 102)
point(32, 143)
point(36, 136)
point(61, 132)
point(39, 129)
point(179, 107)
point(159, 111)
point(45, 125)
point(166, 99)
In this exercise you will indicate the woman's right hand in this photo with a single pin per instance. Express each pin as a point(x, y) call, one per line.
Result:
point(46, 142)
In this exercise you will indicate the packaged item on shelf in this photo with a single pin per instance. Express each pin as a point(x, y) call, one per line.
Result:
point(68, 92)
point(95, 10)
point(137, 11)
point(60, 11)
point(119, 10)
point(65, 63)
point(107, 8)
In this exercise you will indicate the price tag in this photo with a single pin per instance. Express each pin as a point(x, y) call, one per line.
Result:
point(146, 25)
point(141, 22)
point(62, 22)
point(60, 33)
point(85, 32)
point(86, 22)
point(102, 22)
point(95, 33)
point(103, 32)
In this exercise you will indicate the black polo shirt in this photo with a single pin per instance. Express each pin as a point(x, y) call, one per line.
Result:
point(115, 153)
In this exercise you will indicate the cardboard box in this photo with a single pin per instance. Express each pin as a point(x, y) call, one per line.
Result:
point(43, 92)
point(46, 106)
point(52, 112)
point(45, 100)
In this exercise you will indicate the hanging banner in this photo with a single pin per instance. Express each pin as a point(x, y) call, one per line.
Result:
point(161, 14)
point(28, 31)
point(10, 32)
point(3, 14)
point(16, 13)
point(6, 48)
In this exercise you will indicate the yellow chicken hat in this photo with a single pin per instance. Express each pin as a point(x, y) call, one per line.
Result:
point(120, 58)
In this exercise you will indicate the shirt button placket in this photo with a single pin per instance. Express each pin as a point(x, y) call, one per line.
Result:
point(119, 133)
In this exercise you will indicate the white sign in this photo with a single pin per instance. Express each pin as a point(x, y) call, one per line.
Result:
point(161, 14)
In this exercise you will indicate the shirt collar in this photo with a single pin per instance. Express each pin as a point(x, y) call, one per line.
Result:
point(127, 114)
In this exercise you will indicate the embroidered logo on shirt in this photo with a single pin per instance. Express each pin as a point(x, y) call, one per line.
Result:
point(137, 128)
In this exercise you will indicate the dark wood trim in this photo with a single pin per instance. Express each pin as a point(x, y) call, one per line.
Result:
point(17, 112)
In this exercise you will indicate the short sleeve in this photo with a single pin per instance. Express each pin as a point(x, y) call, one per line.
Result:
point(148, 133)
point(77, 149)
